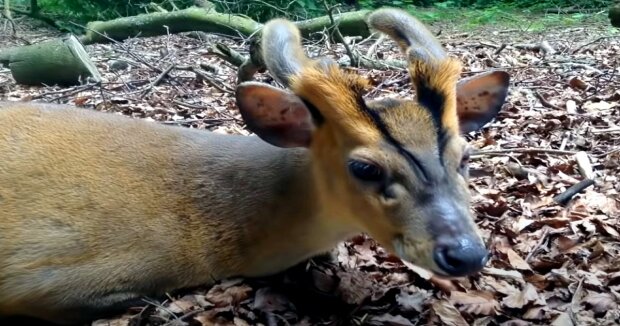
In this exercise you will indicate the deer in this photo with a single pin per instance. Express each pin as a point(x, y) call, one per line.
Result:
point(99, 210)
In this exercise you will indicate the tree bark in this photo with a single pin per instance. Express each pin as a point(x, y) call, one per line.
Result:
point(614, 15)
point(34, 7)
point(210, 21)
point(60, 61)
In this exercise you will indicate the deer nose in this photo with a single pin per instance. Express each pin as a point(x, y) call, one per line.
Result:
point(460, 256)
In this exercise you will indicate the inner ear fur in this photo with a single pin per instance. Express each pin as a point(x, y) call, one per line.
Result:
point(479, 98)
point(277, 116)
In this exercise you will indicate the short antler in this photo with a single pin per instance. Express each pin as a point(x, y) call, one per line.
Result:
point(282, 52)
point(433, 73)
point(412, 36)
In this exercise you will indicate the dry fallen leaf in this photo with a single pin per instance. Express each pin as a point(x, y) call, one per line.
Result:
point(448, 314)
point(528, 295)
point(475, 302)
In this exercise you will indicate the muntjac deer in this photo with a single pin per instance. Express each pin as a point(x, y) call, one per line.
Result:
point(98, 210)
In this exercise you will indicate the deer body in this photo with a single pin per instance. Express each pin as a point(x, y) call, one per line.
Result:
point(65, 225)
point(98, 211)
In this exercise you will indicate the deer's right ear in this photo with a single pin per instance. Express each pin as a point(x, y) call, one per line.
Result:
point(277, 116)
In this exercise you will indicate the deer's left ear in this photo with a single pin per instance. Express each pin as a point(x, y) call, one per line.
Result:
point(479, 98)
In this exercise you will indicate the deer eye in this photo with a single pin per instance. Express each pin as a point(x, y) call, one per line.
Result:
point(366, 171)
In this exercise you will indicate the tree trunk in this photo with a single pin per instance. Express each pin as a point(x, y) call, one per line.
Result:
point(349, 23)
point(7, 9)
point(34, 8)
point(210, 21)
point(614, 15)
point(59, 61)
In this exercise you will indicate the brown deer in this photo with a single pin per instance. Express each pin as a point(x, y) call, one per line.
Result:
point(98, 210)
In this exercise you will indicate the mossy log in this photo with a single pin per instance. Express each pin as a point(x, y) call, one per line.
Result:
point(614, 15)
point(210, 21)
point(61, 61)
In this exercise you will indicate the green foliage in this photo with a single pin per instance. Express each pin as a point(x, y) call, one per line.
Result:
point(530, 4)
point(489, 11)
point(263, 10)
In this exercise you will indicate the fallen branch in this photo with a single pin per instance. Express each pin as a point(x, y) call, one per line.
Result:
point(605, 131)
point(595, 41)
point(501, 152)
point(546, 103)
point(227, 54)
point(157, 80)
point(210, 21)
point(568, 194)
point(543, 46)
point(203, 75)
point(584, 165)
point(61, 61)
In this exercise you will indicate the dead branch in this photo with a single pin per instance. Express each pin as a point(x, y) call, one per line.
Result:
point(227, 54)
point(546, 103)
point(373, 48)
point(605, 131)
point(500, 49)
point(501, 152)
point(157, 80)
point(595, 41)
point(584, 165)
point(543, 46)
point(339, 37)
point(203, 75)
point(563, 198)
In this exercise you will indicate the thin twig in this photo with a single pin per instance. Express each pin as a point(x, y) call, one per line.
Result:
point(501, 152)
point(546, 103)
point(354, 59)
point(157, 80)
point(543, 238)
point(595, 41)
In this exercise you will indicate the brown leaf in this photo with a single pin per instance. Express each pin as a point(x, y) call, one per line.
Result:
point(391, 320)
point(515, 260)
point(562, 319)
point(122, 321)
point(222, 295)
point(536, 313)
point(528, 295)
point(601, 302)
point(355, 287)
point(448, 314)
point(475, 302)
point(577, 83)
point(240, 322)
point(268, 300)
point(412, 300)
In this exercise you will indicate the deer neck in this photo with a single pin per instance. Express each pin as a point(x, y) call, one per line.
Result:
point(266, 202)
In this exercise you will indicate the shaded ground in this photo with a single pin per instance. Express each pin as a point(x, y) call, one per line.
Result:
point(551, 264)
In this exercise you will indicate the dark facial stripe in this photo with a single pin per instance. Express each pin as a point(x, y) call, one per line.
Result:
point(378, 122)
point(434, 102)
point(317, 117)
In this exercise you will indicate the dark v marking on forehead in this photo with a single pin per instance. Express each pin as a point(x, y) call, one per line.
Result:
point(383, 129)
point(434, 102)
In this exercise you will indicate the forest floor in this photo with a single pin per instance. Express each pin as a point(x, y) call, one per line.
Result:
point(551, 264)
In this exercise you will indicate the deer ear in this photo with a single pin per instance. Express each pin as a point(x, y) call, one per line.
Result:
point(277, 116)
point(479, 99)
